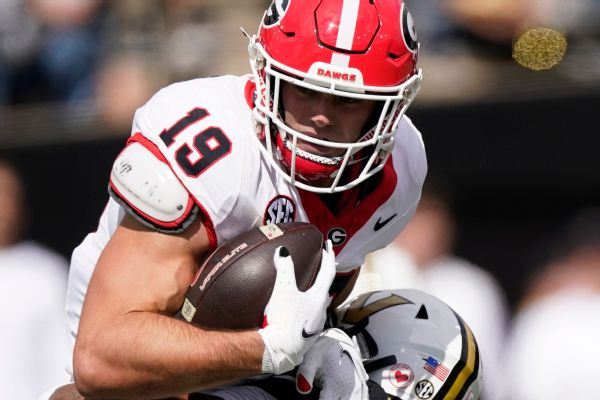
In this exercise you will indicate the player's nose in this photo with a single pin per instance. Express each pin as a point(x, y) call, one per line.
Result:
point(323, 113)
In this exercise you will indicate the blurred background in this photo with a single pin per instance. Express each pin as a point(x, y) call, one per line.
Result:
point(510, 130)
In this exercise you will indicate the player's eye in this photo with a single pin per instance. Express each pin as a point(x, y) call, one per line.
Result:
point(349, 100)
point(305, 91)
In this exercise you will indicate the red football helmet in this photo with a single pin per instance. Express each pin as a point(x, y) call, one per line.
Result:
point(362, 49)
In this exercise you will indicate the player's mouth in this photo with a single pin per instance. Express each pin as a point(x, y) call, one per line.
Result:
point(320, 150)
point(314, 152)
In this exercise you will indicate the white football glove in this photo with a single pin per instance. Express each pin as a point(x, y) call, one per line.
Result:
point(333, 364)
point(294, 318)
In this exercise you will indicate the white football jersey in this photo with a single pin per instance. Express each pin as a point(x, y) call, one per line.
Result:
point(204, 131)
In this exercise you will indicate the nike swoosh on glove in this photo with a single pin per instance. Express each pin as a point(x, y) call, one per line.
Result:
point(294, 318)
point(333, 364)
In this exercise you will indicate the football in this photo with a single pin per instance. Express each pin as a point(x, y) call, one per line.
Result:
point(234, 284)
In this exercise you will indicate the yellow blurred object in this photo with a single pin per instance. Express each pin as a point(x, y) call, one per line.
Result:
point(540, 48)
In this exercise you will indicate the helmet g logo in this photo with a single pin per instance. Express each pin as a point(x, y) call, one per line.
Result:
point(275, 12)
point(409, 32)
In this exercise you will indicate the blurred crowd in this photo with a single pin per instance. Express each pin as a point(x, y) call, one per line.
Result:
point(554, 341)
point(33, 282)
point(467, 47)
point(110, 56)
point(113, 54)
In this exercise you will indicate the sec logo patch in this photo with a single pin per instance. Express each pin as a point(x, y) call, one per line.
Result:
point(280, 210)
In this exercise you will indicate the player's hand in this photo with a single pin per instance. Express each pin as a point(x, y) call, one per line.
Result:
point(66, 392)
point(293, 318)
point(335, 366)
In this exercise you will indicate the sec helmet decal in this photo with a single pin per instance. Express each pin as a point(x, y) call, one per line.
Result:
point(424, 389)
point(275, 12)
point(409, 31)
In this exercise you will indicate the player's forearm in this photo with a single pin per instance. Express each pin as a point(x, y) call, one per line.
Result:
point(145, 355)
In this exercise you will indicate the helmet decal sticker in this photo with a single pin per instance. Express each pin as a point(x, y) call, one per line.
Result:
point(401, 376)
point(359, 309)
point(275, 12)
point(337, 236)
point(409, 31)
point(438, 369)
point(424, 389)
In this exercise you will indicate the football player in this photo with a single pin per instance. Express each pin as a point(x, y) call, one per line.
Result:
point(316, 133)
point(413, 345)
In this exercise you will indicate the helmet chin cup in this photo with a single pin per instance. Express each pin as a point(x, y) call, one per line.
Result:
point(308, 168)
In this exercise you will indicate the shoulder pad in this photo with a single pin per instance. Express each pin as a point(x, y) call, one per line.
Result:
point(148, 189)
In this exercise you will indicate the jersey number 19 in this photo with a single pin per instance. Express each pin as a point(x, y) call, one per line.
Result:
point(209, 145)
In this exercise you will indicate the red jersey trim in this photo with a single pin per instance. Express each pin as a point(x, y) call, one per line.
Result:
point(249, 90)
point(206, 220)
point(148, 144)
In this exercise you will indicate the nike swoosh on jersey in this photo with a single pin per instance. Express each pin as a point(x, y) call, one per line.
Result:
point(308, 335)
point(380, 224)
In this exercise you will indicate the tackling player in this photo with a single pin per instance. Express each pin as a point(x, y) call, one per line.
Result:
point(316, 133)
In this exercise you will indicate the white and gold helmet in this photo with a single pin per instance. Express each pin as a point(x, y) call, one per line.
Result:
point(415, 347)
